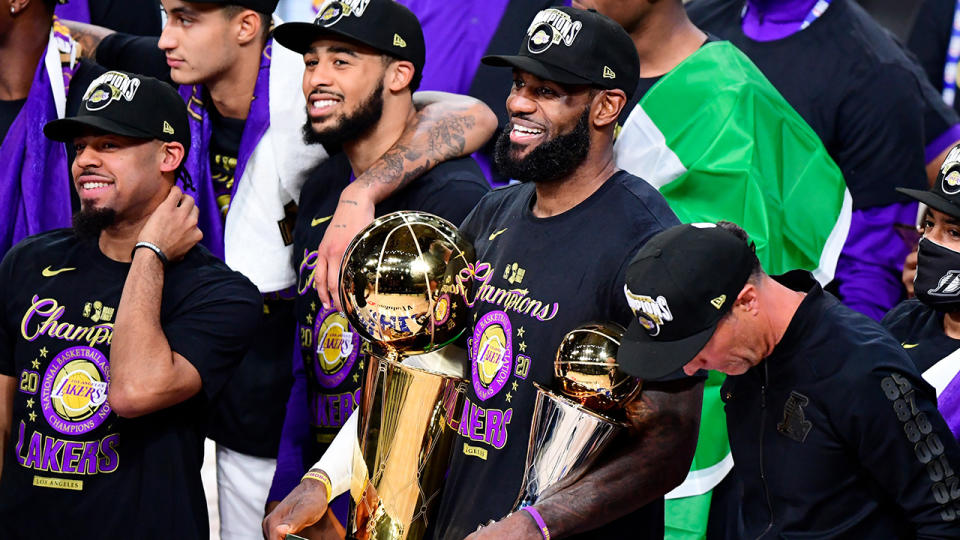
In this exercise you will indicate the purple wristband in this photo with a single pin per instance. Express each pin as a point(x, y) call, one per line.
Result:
point(539, 520)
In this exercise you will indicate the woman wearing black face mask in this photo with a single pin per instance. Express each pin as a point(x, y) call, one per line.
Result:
point(928, 326)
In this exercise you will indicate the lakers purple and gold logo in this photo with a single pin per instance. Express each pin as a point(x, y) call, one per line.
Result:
point(951, 183)
point(441, 310)
point(337, 348)
point(551, 27)
point(73, 395)
point(491, 354)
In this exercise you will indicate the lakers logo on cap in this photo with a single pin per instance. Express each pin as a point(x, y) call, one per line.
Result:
point(398, 41)
point(109, 87)
point(608, 73)
point(551, 27)
point(167, 128)
point(951, 182)
point(718, 301)
point(330, 13)
point(651, 313)
point(541, 40)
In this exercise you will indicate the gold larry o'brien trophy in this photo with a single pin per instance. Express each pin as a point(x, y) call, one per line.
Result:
point(399, 290)
point(570, 430)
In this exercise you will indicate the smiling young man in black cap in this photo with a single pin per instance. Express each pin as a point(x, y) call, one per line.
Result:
point(928, 326)
point(116, 335)
point(832, 429)
point(362, 67)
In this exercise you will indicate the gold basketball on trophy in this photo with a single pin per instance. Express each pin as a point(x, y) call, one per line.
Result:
point(587, 370)
point(398, 283)
point(399, 290)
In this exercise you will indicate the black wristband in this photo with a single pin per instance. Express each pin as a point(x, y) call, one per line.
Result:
point(151, 247)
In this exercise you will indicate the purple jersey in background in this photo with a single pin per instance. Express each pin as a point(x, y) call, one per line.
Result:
point(456, 35)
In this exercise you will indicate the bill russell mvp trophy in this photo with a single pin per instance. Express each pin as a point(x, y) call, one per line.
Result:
point(571, 428)
point(398, 288)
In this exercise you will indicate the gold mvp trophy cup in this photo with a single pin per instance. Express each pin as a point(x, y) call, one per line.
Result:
point(398, 288)
point(570, 429)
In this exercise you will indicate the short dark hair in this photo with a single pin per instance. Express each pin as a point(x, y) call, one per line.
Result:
point(266, 19)
point(756, 270)
point(417, 73)
point(50, 5)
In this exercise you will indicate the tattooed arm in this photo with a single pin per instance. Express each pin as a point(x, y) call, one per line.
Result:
point(88, 36)
point(654, 460)
point(446, 126)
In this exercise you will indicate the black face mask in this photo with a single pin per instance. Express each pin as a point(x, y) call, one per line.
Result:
point(937, 283)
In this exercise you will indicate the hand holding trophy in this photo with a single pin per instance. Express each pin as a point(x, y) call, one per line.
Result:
point(572, 428)
point(398, 288)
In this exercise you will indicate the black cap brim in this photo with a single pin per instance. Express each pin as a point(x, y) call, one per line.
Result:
point(67, 129)
point(535, 67)
point(642, 356)
point(933, 200)
point(299, 36)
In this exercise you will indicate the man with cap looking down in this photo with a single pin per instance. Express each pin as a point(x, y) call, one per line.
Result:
point(116, 335)
point(530, 286)
point(833, 430)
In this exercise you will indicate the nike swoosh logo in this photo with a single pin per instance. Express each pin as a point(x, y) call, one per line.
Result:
point(909, 345)
point(318, 221)
point(498, 233)
point(48, 272)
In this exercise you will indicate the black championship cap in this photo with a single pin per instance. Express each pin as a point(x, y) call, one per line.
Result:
point(945, 193)
point(127, 104)
point(573, 46)
point(260, 6)
point(385, 25)
point(679, 285)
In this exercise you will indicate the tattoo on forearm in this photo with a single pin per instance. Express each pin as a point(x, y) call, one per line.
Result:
point(88, 36)
point(435, 140)
point(354, 203)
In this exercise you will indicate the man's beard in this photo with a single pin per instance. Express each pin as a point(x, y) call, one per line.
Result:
point(549, 162)
point(349, 127)
point(90, 222)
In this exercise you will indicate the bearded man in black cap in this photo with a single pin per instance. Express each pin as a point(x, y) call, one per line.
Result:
point(116, 335)
point(833, 431)
point(361, 71)
point(538, 275)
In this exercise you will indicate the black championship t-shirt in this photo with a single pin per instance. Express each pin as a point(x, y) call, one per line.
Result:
point(330, 348)
point(870, 105)
point(536, 279)
point(72, 467)
point(919, 328)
